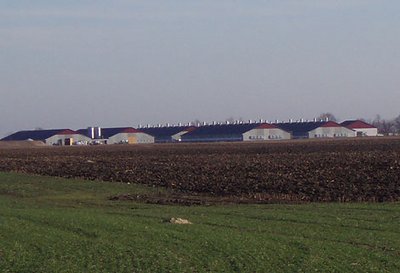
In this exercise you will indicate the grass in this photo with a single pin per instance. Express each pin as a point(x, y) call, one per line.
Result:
point(58, 225)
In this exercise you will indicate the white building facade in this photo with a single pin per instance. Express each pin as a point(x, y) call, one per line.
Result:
point(130, 136)
point(331, 130)
point(266, 132)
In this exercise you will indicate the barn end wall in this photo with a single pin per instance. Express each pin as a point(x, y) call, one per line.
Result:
point(55, 140)
point(331, 132)
point(138, 138)
point(265, 134)
point(366, 131)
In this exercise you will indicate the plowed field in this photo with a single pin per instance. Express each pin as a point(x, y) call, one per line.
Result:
point(296, 171)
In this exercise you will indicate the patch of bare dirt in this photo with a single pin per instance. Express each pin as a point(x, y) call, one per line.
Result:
point(351, 170)
point(21, 144)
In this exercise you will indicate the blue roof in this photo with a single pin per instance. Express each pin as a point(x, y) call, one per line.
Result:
point(164, 133)
point(109, 132)
point(83, 132)
point(300, 129)
point(348, 122)
point(40, 135)
point(222, 132)
point(105, 132)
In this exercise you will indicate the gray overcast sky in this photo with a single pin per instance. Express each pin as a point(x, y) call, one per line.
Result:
point(78, 63)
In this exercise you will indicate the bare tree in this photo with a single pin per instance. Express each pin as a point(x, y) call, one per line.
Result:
point(397, 124)
point(327, 116)
point(386, 127)
point(230, 120)
point(233, 120)
point(196, 122)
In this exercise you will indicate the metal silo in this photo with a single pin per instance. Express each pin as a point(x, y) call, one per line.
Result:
point(97, 132)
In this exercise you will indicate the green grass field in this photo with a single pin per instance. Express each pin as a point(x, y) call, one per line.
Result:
point(59, 225)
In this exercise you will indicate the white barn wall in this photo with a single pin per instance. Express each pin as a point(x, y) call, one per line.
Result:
point(266, 134)
point(54, 140)
point(331, 132)
point(122, 137)
point(367, 131)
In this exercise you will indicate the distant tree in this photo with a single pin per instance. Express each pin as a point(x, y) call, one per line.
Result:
point(380, 124)
point(328, 116)
point(377, 118)
point(397, 124)
point(196, 122)
point(230, 120)
point(38, 128)
point(233, 120)
point(386, 127)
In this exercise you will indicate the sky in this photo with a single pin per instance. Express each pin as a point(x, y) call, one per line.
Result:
point(79, 63)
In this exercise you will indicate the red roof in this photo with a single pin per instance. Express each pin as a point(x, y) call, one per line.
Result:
point(190, 129)
point(331, 124)
point(131, 130)
point(357, 124)
point(67, 132)
point(267, 126)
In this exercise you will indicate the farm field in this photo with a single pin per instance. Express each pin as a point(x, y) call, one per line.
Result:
point(50, 224)
point(290, 171)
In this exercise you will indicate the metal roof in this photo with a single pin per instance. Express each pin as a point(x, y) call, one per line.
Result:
point(40, 135)
point(301, 129)
point(356, 124)
point(220, 130)
point(161, 132)
point(109, 132)
point(267, 126)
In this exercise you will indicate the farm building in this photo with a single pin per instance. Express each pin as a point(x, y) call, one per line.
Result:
point(360, 127)
point(167, 134)
point(119, 135)
point(49, 137)
point(265, 131)
point(316, 129)
point(235, 132)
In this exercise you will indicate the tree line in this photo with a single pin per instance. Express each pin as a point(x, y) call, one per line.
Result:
point(386, 126)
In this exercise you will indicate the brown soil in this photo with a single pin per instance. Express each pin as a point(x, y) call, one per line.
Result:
point(293, 171)
point(20, 144)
